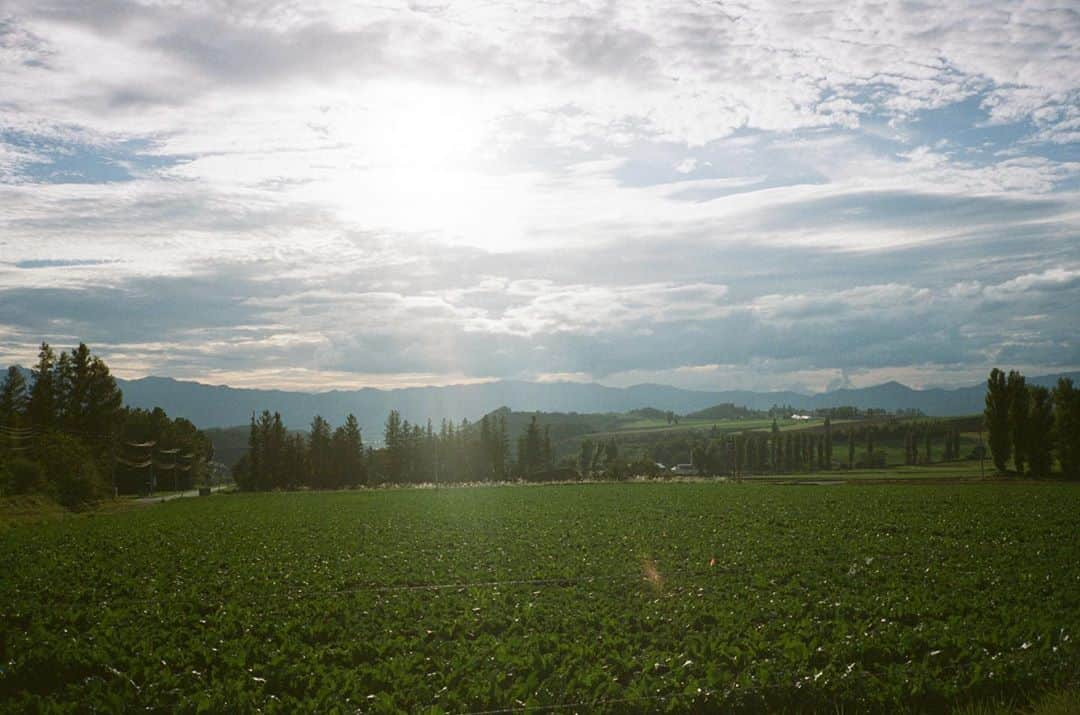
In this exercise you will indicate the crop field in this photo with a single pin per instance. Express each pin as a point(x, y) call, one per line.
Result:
point(609, 597)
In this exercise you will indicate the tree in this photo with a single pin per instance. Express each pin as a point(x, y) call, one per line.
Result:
point(546, 452)
point(42, 405)
point(828, 444)
point(585, 457)
point(929, 443)
point(395, 446)
point(996, 418)
point(319, 454)
point(775, 443)
point(1040, 432)
point(851, 448)
point(69, 469)
point(353, 469)
point(247, 472)
point(13, 397)
point(1019, 405)
point(1067, 427)
point(611, 450)
point(530, 449)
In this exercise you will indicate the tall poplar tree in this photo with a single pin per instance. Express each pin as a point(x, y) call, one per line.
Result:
point(1019, 406)
point(1067, 427)
point(828, 444)
point(996, 418)
point(1040, 432)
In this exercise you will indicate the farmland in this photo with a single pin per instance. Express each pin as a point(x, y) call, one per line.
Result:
point(618, 596)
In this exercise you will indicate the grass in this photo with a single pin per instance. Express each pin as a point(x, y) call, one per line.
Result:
point(29, 509)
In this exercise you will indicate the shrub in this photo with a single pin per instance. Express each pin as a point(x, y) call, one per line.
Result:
point(22, 476)
point(70, 474)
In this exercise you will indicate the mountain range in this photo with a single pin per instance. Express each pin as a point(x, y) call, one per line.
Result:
point(222, 406)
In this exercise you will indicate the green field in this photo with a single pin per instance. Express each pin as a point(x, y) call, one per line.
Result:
point(594, 597)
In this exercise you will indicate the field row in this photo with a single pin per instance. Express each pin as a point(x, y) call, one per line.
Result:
point(676, 595)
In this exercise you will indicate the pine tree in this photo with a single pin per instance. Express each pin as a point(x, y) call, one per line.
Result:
point(254, 457)
point(63, 387)
point(104, 401)
point(487, 447)
point(395, 446)
point(277, 467)
point(355, 471)
point(319, 454)
point(42, 406)
point(996, 417)
point(267, 457)
point(14, 397)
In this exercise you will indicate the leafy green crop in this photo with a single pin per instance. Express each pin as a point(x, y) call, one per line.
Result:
point(621, 597)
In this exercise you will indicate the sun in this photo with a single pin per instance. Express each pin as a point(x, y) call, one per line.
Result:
point(419, 160)
point(420, 128)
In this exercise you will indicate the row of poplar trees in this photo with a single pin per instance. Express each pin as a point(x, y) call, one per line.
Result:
point(1029, 425)
point(778, 452)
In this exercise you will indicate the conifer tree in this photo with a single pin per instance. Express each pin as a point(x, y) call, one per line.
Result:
point(42, 406)
point(395, 446)
point(319, 454)
point(13, 397)
point(254, 457)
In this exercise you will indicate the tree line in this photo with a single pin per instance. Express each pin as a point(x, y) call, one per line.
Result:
point(853, 446)
point(1031, 425)
point(67, 433)
point(325, 458)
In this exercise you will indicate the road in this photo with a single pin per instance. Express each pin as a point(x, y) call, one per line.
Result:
point(169, 496)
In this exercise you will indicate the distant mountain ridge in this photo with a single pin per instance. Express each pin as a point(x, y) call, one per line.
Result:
point(222, 406)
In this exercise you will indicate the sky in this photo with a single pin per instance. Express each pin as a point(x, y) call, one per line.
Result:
point(714, 195)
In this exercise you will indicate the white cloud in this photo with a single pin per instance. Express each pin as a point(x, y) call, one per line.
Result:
point(541, 176)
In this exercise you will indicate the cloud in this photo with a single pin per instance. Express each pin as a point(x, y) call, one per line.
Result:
point(675, 191)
